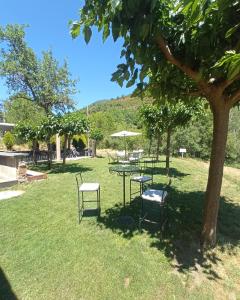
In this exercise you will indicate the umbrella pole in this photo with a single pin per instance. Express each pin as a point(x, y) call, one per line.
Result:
point(125, 146)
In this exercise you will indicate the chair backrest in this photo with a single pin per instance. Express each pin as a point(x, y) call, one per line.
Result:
point(166, 188)
point(79, 179)
point(120, 153)
point(111, 157)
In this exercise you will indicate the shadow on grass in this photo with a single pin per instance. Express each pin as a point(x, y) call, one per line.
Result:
point(58, 168)
point(179, 240)
point(173, 172)
point(6, 291)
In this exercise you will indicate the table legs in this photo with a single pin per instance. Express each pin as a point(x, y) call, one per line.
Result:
point(124, 191)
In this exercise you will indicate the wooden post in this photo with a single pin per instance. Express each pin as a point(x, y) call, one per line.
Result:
point(58, 147)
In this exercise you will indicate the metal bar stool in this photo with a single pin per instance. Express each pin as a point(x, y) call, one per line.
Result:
point(142, 179)
point(154, 197)
point(86, 187)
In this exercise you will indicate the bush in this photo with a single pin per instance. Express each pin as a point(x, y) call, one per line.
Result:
point(8, 140)
point(79, 142)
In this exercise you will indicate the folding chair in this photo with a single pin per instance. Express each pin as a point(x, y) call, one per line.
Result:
point(87, 187)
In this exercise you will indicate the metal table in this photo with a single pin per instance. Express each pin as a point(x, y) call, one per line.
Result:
point(124, 170)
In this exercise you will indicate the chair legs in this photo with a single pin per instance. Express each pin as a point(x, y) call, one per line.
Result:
point(143, 217)
point(142, 186)
point(82, 201)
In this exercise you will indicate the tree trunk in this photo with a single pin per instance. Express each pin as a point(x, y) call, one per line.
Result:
point(158, 145)
point(214, 184)
point(168, 149)
point(69, 143)
point(94, 148)
point(65, 148)
point(49, 154)
point(150, 146)
point(35, 148)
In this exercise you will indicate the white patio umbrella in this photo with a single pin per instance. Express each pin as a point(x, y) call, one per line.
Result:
point(125, 134)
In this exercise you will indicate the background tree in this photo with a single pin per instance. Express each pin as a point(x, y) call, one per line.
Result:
point(152, 119)
point(69, 125)
point(166, 118)
point(96, 135)
point(28, 131)
point(48, 128)
point(41, 80)
point(19, 108)
point(198, 43)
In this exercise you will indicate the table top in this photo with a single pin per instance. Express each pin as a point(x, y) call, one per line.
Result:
point(124, 168)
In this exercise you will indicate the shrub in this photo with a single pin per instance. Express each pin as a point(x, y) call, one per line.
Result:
point(8, 140)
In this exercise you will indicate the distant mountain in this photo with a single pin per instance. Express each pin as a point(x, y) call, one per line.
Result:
point(121, 103)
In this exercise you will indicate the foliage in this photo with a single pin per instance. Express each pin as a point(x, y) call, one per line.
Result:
point(42, 80)
point(26, 131)
point(8, 140)
point(48, 128)
point(96, 134)
point(79, 141)
point(19, 108)
point(197, 32)
point(72, 123)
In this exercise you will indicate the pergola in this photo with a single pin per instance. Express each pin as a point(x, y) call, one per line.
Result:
point(6, 126)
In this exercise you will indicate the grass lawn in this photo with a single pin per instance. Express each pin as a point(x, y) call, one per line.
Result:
point(45, 254)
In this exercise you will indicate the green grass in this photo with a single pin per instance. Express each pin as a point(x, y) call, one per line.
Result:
point(45, 254)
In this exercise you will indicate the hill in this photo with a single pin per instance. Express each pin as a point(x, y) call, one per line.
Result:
point(122, 114)
point(121, 103)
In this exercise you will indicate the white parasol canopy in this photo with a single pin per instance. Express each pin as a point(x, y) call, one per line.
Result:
point(125, 134)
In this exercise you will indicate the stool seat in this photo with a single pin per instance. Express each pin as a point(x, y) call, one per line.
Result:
point(89, 187)
point(141, 178)
point(154, 195)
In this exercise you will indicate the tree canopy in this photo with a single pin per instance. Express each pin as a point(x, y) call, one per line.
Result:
point(41, 79)
point(19, 108)
point(199, 38)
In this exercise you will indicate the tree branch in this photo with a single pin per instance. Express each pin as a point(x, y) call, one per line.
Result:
point(235, 98)
point(186, 69)
point(226, 83)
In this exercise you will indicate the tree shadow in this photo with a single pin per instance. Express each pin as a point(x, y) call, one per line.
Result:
point(6, 292)
point(173, 172)
point(58, 168)
point(179, 238)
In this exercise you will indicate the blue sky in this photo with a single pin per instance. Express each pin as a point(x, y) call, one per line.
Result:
point(92, 64)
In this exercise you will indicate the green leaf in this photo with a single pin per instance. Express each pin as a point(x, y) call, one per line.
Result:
point(234, 70)
point(115, 29)
point(231, 31)
point(75, 29)
point(115, 4)
point(106, 32)
point(130, 83)
point(87, 33)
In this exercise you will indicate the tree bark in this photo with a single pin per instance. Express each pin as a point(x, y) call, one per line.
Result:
point(35, 148)
point(69, 143)
point(65, 148)
point(94, 148)
point(150, 146)
point(49, 154)
point(168, 149)
point(211, 204)
point(158, 145)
